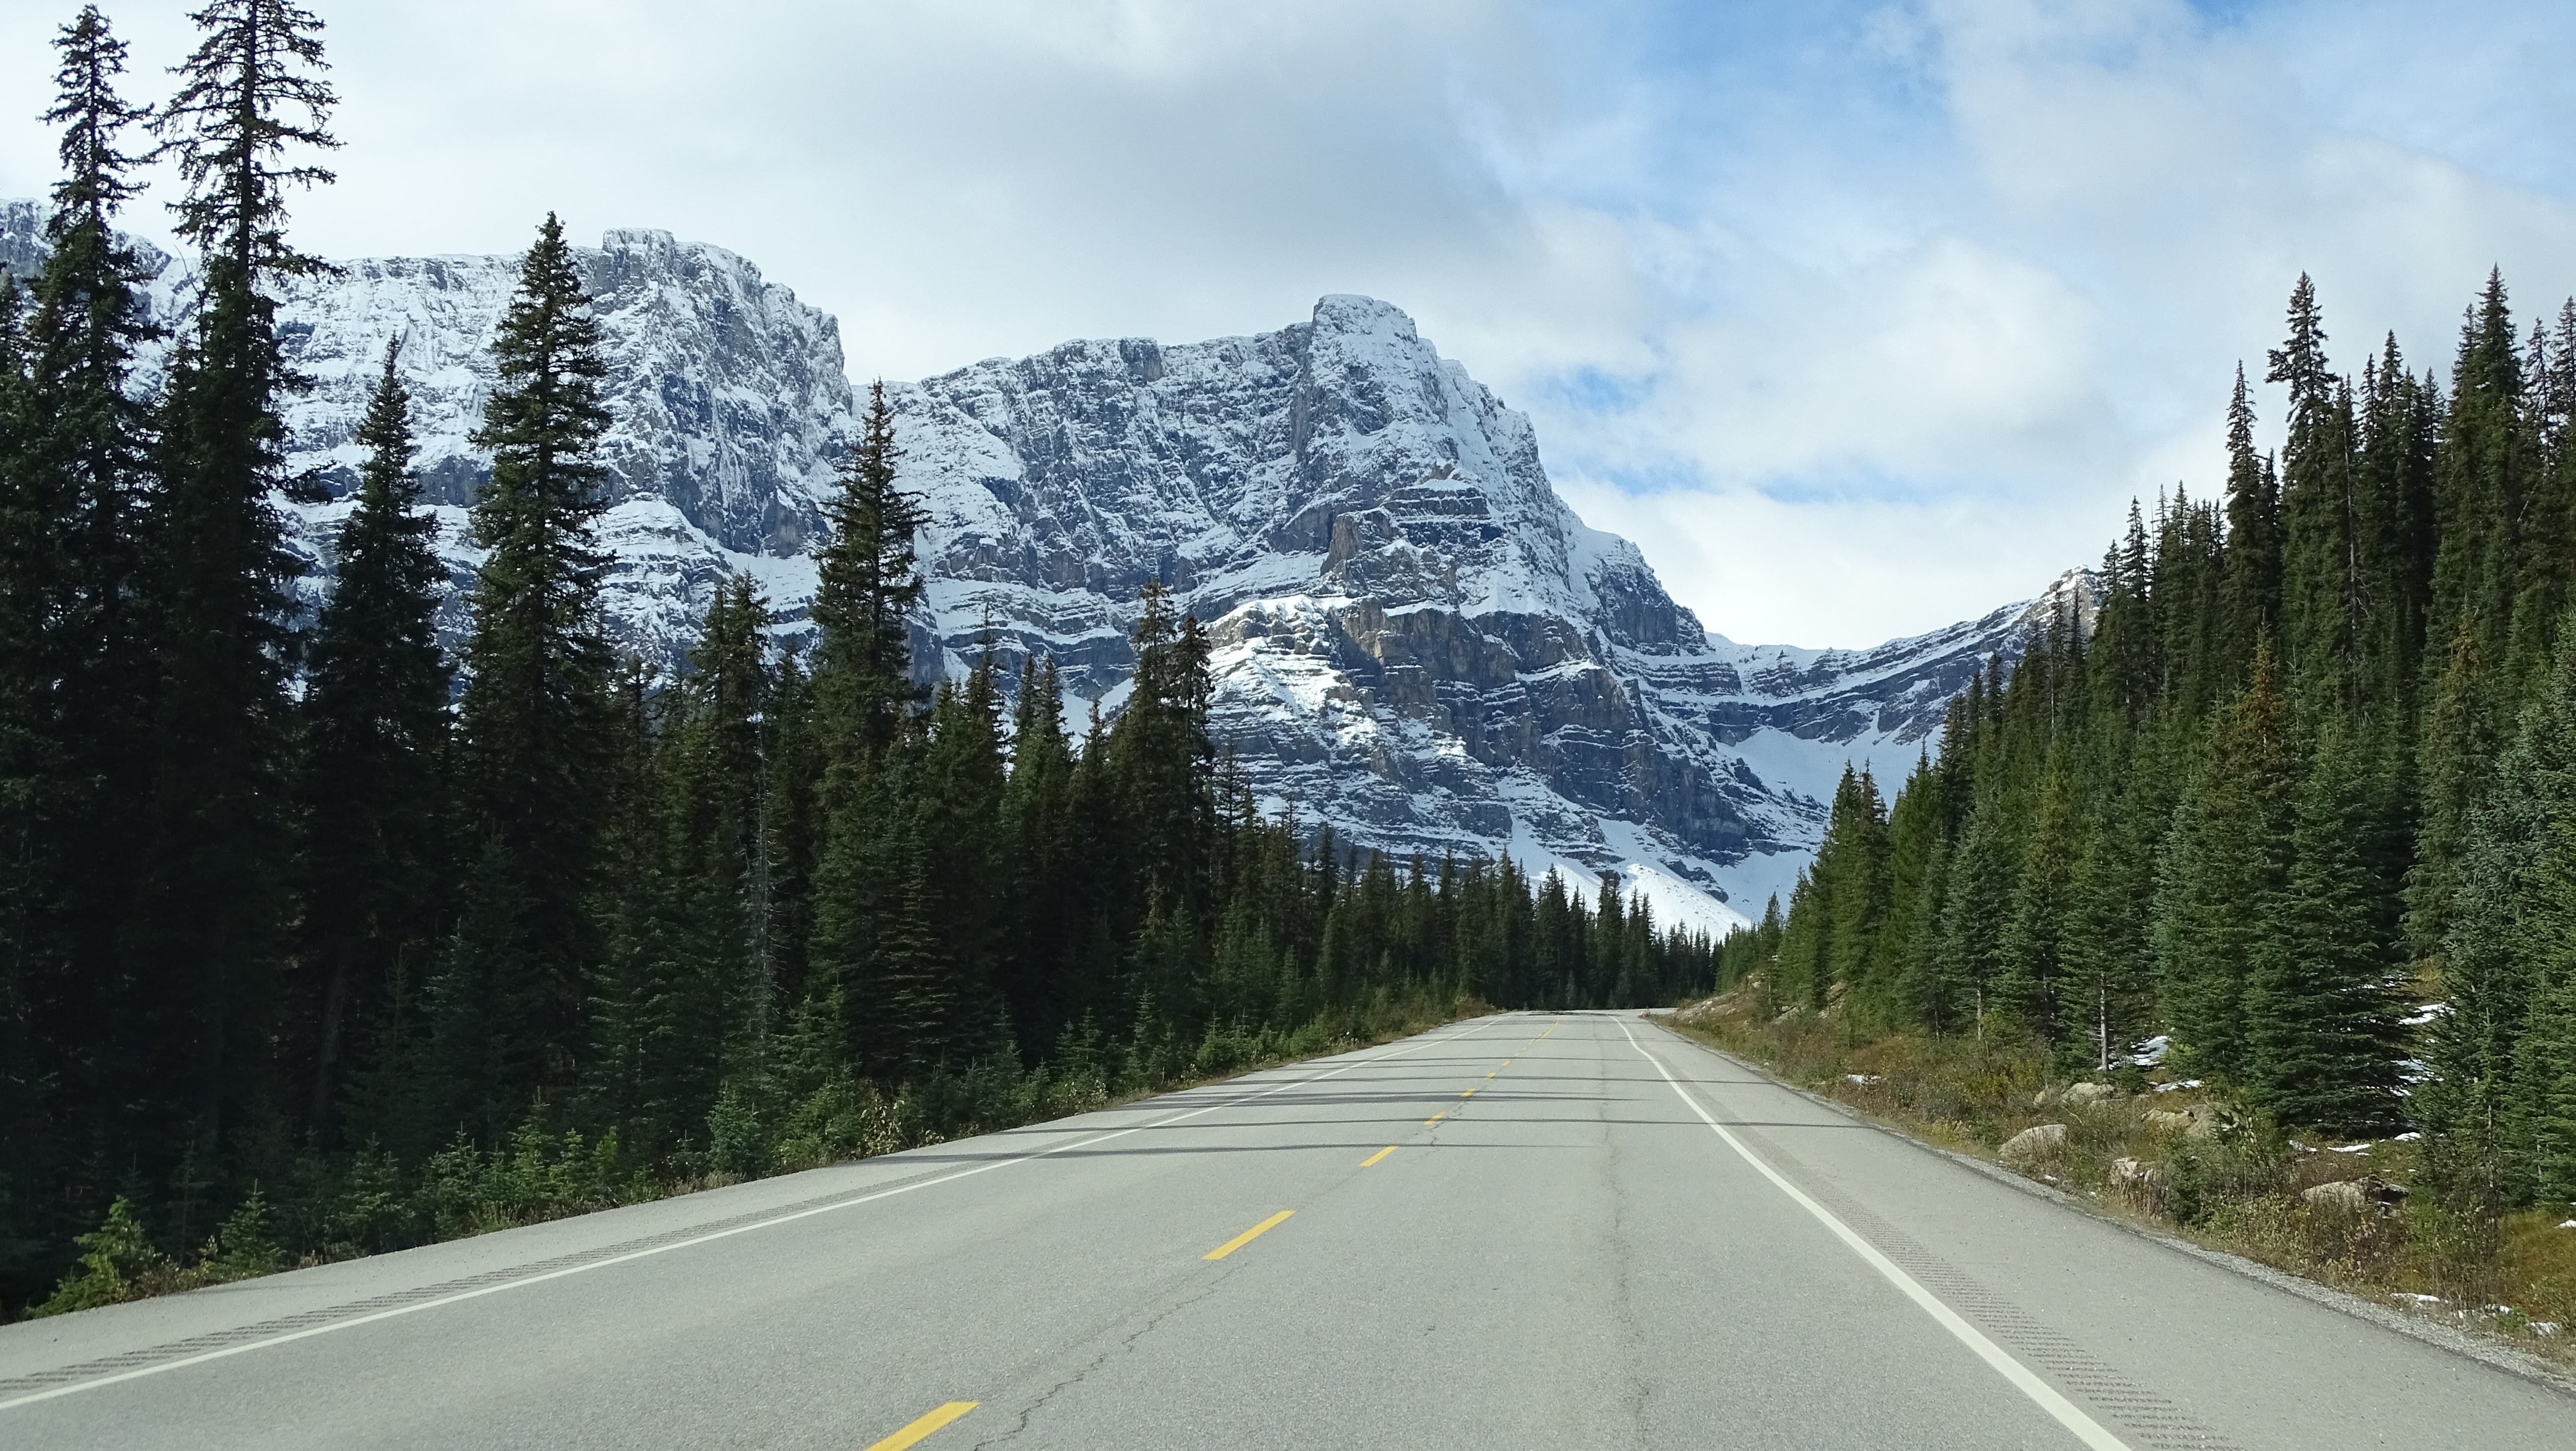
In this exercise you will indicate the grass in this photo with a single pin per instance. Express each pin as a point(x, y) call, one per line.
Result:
point(2229, 1182)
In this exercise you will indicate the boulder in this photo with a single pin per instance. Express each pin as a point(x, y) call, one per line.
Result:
point(2128, 1173)
point(2354, 1196)
point(2199, 1121)
point(2048, 1097)
point(2213, 1120)
point(2030, 1143)
point(2083, 1094)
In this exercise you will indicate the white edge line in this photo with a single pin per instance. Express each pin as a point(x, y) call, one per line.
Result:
point(356, 1321)
point(2045, 1396)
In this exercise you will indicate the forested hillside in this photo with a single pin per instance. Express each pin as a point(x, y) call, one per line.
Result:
point(315, 940)
point(2304, 800)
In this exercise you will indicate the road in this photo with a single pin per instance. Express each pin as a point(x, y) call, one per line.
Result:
point(1528, 1230)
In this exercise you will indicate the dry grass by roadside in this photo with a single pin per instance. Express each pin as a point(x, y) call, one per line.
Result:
point(2186, 1164)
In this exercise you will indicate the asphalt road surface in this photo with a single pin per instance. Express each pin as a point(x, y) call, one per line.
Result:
point(1530, 1230)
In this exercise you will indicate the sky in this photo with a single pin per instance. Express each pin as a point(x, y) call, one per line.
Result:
point(1859, 318)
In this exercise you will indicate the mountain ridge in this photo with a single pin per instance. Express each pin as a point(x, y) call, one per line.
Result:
point(1417, 641)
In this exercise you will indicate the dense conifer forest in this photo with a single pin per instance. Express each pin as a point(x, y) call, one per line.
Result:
point(2300, 795)
point(317, 939)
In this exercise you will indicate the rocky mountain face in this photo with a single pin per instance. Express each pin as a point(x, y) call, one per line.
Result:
point(1418, 641)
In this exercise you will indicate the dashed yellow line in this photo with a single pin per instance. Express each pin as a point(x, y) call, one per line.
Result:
point(923, 1427)
point(1239, 1241)
point(1435, 1118)
point(1380, 1154)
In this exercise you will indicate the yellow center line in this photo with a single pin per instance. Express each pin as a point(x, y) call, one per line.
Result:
point(1380, 1154)
point(1470, 1093)
point(1240, 1240)
point(923, 1427)
point(1489, 1075)
point(1435, 1118)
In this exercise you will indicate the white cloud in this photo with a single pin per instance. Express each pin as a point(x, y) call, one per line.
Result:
point(1860, 319)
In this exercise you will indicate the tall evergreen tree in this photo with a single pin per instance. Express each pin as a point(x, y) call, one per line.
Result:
point(205, 940)
point(534, 719)
point(2253, 558)
point(375, 729)
point(717, 784)
point(1161, 756)
point(867, 586)
point(75, 445)
point(2494, 1084)
point(2223, 874)
point(2321, 588)
point(2321, 1021)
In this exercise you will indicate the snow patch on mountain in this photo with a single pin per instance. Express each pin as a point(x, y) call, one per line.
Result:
point(1416, 641)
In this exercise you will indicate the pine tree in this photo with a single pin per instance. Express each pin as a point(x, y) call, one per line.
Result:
point(75, 444)
point(1039, 855)
point(2478, 486)
point(1161, 757)
point(2491, 1108)
point(375, 728)
point(961, 783)
point(1976, 905)
point(648, 1029)
point(2454, 762)
point(907, 982)
point(2321, 1021)
point(2222, 877)
point(534, 721)
point(867, 586)
point(2253, 555)
point(782, 914)
point(2108, 996)
point(2035, 949)
point(718, 782)
point(2321, 587)
point(2394, 540)
point(205, 940)
point(1856, 836)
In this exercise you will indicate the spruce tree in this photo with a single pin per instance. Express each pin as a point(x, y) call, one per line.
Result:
point(717, 783)
point(2253, 555)
point(868, 584)
point(75, 446)
point(206, 942)
point(2321, 588)
point(2454, 763)
point(1161, 757)
point(961, 781)
point(1976, 905)
point(2223, 875)
point(2321, 1020)
point(534, 720)
point(375, 729)
point(1039, 856)
point(2491, 1108)
point(2035, 948)
point(2477, 489)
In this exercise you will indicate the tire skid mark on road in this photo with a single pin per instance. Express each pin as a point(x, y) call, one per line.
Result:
point(63, 1380)
point(2155, 1423)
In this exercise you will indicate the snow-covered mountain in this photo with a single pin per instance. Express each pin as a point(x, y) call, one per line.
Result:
point(1418, 641)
